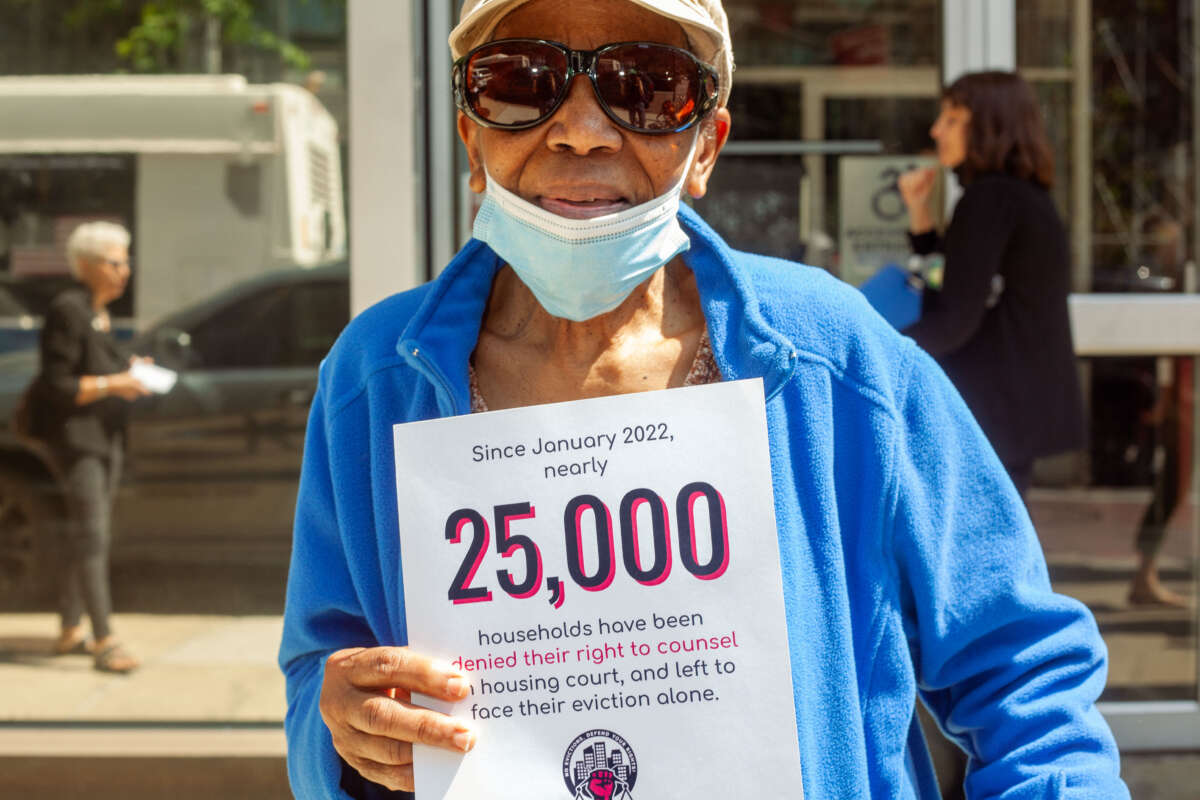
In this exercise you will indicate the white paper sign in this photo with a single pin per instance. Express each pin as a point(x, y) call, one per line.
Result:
point(159, 380)
point(607, 573)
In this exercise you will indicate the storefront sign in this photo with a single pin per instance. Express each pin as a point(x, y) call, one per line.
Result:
point(873, 220)
point(607, 573)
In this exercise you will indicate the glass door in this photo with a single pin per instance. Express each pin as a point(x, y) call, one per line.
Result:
point(1120, 523)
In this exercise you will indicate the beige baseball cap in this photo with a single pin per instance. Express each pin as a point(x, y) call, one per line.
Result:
point(704, 22)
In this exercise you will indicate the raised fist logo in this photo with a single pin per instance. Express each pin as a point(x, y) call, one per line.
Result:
point(602, 784)
point(600, 765)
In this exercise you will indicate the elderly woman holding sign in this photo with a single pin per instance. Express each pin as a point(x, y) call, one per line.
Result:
point(910, 566)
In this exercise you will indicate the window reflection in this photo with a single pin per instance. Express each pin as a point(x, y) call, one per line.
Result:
point(231, 184)
point(1121, 116)
point(835, 32)
point(820, 83)
point(1138, 506)
point(43, 197)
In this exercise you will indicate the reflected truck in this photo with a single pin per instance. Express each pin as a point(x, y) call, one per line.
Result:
point(218, 179)
point(211, 468)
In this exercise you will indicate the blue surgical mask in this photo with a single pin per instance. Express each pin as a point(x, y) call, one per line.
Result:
point(581, 268)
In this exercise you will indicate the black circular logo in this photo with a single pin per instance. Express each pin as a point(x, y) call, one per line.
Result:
point(600, 765)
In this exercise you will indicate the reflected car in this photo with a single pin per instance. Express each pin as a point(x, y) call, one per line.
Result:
point(211, 468)
point(23, 303)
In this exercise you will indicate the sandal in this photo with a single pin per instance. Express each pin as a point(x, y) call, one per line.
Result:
point(1160, 599)
point(116, 659)
point(1154, 594)
point(74, 647)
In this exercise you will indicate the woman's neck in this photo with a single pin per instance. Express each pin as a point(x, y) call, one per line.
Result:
point(526, 356)
point(96, 299)
point(664, 306)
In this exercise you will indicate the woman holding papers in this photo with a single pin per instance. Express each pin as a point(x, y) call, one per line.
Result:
point(910, 566)
point(83, 395)
point(998, 324)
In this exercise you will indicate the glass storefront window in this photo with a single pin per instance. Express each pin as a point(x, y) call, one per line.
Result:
point(231, 185)
point(1140, 498)
point(826, 94)
point(1117, 84)
point(1119, 95)
point(42, 198)
point(835, 33)
point(822, 128)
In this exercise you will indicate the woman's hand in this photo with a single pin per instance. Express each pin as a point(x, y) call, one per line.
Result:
point(365, 702)
point(93, 388)
point(125, 386)
point(916, 187)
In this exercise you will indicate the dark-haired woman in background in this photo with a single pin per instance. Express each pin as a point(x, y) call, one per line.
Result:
point(999, 325)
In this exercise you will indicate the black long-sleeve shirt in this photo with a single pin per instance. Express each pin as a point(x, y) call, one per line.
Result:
point(1012, 361)
point(73, 346)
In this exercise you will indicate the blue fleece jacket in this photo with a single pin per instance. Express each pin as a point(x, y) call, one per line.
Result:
point(910, 565)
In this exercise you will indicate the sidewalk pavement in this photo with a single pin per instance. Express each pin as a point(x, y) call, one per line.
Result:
point(1087, 536)
point(222, 669)
point(195, 668)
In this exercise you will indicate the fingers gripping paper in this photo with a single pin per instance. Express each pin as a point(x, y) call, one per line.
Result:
point(607, 574)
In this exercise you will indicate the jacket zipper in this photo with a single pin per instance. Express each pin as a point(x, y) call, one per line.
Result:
point(441, 387)
point(782, 377)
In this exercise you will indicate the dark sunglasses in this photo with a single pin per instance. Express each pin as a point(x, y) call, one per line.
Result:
point(514, 84)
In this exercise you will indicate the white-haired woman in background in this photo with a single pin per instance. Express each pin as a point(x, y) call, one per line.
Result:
point(84, 391)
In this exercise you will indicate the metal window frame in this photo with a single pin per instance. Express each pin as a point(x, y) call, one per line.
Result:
point(441, 194)
point(387, 240)
point(402, 146)
point(978, 34)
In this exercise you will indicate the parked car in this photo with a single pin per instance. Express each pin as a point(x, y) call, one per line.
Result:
point(212, 467)
point(23, 305)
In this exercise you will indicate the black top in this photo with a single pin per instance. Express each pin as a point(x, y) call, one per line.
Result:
point(1013, 362)
point(72, 345)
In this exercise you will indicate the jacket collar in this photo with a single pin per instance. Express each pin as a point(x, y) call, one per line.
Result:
point(440, 337)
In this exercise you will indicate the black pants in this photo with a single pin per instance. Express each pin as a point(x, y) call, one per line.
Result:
point(90, 486)
point(1153, 528)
